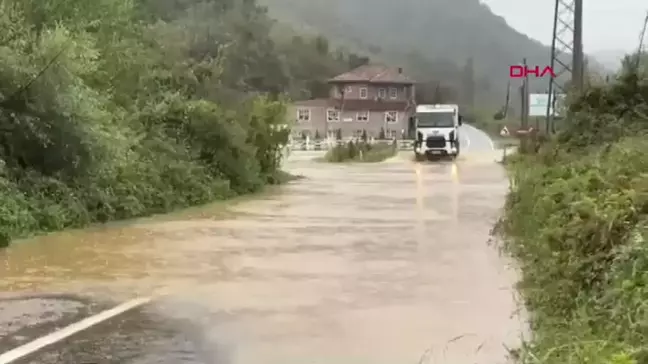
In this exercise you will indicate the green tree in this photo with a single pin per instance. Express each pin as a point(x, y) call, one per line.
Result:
point(117, 108)
point(352, 149)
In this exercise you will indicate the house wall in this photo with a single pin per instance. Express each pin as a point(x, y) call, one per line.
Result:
point(317, 120)
point(352, 91)
point(348, 123)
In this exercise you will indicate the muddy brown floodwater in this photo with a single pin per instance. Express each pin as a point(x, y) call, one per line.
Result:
point(374, 263)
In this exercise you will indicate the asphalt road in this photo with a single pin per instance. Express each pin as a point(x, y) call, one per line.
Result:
point(376, 263)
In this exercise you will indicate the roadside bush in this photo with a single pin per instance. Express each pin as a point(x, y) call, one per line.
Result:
point(120, 108)
point(361, 152)
point(576, 221)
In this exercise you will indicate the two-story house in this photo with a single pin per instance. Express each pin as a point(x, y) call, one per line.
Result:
point(369, 98)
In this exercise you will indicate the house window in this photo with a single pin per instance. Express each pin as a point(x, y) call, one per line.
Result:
point(363, 116)
point(391, 117)
point(364, 93)
point(382, 93)
point(393, 93)
point(303, 115)
point(332, 115)
point(348, 90)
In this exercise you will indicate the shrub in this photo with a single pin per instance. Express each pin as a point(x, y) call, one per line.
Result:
point(576, 220)
point(361, 152)
point(127, 108)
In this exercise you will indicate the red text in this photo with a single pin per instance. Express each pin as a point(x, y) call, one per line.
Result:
point(524, 71)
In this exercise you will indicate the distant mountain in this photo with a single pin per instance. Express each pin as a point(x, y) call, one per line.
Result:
point(610, 59)
point(432, 39)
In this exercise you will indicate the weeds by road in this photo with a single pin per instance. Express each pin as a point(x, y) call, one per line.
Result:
point(576, 220)
point(361, 152)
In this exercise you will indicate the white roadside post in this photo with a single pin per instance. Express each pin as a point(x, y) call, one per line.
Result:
point(504, 133)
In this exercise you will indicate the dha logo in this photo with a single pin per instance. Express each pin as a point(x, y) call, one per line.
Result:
point(524, 71)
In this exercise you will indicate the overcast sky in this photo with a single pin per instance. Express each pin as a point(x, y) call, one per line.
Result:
point(607, 24)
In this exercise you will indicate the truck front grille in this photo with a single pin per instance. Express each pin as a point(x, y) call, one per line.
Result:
point(435, 142)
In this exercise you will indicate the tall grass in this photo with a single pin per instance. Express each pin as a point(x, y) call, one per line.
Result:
point(576, 221)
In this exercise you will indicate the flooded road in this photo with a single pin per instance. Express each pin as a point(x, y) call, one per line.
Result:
point(372, 263)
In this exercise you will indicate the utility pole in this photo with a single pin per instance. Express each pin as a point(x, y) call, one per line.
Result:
point(524, 116)
point(641, 43)
point(525, 99)
point(567, 38)
point(578, 58)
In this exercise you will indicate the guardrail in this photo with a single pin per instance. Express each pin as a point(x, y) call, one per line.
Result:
point(303, 145)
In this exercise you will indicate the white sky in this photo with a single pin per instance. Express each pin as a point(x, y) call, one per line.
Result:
point(607, 24)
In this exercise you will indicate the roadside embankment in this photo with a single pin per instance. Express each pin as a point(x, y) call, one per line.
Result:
point(576, 220)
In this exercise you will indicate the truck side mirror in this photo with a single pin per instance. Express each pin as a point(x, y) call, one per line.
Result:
point(460, 119)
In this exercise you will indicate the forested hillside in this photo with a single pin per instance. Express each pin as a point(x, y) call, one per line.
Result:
point(433, 39)
point(119, 108)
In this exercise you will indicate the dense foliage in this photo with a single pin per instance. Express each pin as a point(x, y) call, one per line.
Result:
point(577, 221)
point(119, 108)
point(361, 151)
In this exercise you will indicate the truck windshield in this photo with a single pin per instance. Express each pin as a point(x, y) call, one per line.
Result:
point(435, 120)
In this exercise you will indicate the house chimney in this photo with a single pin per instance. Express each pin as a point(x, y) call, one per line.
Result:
point(400, 70)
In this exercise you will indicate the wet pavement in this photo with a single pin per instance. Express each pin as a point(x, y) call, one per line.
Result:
point(372, 263)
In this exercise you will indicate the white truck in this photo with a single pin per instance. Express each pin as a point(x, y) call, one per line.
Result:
point(437, 131)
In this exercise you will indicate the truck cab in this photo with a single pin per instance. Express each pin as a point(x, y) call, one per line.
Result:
point(437, 130)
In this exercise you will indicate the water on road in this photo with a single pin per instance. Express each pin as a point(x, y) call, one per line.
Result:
point(372, 263)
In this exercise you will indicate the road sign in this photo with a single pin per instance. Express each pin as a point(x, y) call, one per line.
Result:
point(538, 104)
point(504, 132)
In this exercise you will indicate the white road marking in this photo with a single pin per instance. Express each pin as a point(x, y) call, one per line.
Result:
point(56, 336)
point(467, 141)
point(483, 133)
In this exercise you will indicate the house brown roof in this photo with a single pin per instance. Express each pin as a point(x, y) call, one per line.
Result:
point(356, 105)
point(374, 74)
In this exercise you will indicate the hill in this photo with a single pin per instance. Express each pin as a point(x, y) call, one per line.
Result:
point(610, 58)
point(432, 39)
